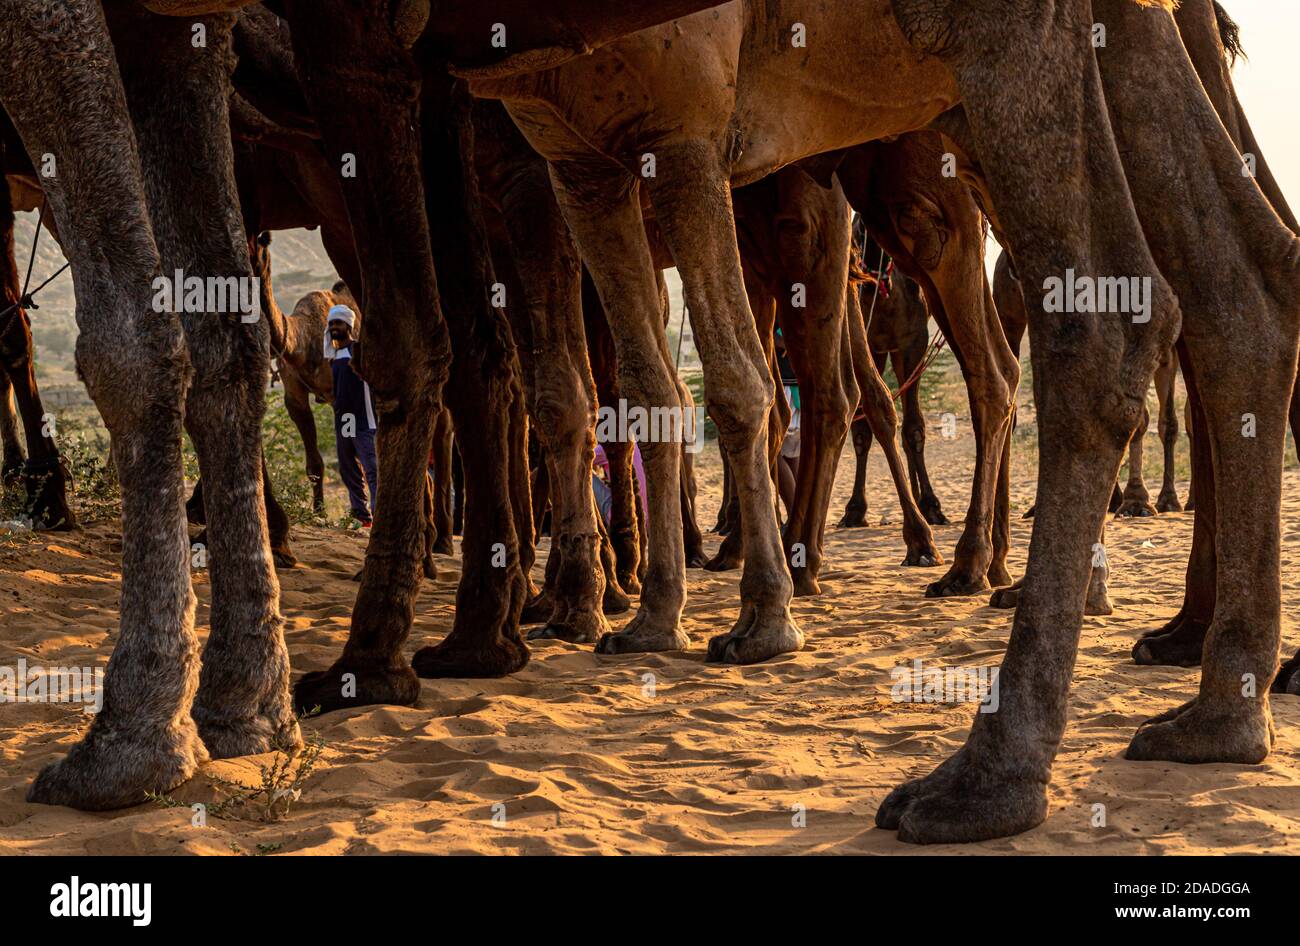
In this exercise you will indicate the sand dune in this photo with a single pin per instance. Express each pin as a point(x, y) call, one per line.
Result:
point(583, 755)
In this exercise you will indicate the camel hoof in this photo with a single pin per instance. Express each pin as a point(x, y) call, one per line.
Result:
point(614, 601)
point(1179, 646)
point(430, 569)
point(755, 642)
point(641, 636)
point(115, 769)
point(696, 560)
point(500, 659)
point(1005, 598)
point(956, 584)
point(959, 803)
point(1190, 505)
point(1135, 509)
point(631, 584)
point(724, 562)
point(1193, 735)
point(934, 514)
point(1168, 503)
point(1029, 513)
point(1288, 678)
point(853, 519)
point(576, 628)
point(805, 584)
point(231, 738)
point(538, 610)
point(284, 559)
point(443, 547)
point(344, 686)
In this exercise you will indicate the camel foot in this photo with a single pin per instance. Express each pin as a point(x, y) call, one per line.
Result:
point(614, 601)
point(957, 583)
point(1178, 644)
point(1097, 603)
point(1008, 597)
point(644, 635)
point(805, 583)
point(114, 769)
point(1288, 677)
point(1194, 733)
point(347, 685)
point(961, 801)
point(578, 626)
point(1135, 509)
point(631, 584)
point(757, 636)
point(696, 560)
point(1168, 502)
point(725, 561)
point(1029, 513)
point(855, 517)
point(998, 575)
point(932, 512)
point(230, 738)
point(284, 557)
point(443, 546)
point(537, 610)
point(921, 552)
point(1190, 505)
point(500, 658)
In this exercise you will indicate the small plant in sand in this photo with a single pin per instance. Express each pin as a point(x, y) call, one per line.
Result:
point(281, 785)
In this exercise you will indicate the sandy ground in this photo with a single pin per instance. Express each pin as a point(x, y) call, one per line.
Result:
point(576, 754)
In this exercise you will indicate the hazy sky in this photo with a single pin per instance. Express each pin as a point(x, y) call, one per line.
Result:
point(1268, 83)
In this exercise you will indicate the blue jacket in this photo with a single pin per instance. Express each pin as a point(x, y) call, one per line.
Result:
point(351, 394)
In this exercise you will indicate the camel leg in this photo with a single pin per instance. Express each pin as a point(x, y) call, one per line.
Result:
point(731, 550)
point(543, 278)
point(905, 362)
point(692, 538)
point(1181, 642)
point(878, 405)
point(818, 344)
point(277, 523)
point(363, 87)
point(1167, 425)
point(484, 390)
point(1137, 501)
point(600, 203)
point(61, 91)
point(442, 447)
point(11, 472)
point(1042, 60)
point(692, 200)
point(297, 402)
point(624, 517)
point(855, 510)
point(47, 499)
point(243, 702)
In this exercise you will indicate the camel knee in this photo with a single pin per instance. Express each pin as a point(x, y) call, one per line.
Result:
point(739, 406)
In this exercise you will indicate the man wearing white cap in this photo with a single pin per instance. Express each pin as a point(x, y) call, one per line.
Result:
point(354, 415)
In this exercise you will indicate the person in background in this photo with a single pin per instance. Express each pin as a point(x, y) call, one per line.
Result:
point(354, 416)
point(788, 464)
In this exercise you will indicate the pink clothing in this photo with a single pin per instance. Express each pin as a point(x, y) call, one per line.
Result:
point(602, 461)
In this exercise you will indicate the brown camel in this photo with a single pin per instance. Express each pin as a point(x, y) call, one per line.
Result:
point(897, 323)
point(105, 95)
point(128, 181)
point(794, 243)
point(1213, 44)
point(1133, 500)
point(1035, 134)
point(41, 471)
